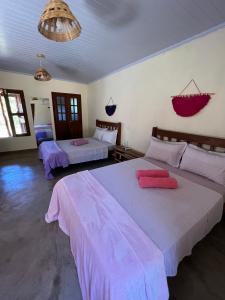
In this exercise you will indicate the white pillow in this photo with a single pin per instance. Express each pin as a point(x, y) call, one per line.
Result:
point(205, 163)
point(110, 136)
point(99, 133)
point(169, 152)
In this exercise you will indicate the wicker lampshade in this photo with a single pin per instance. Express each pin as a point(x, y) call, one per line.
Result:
point(42, 75)
point(57, 22)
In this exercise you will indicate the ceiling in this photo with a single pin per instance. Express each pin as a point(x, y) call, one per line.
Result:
point(115, 33)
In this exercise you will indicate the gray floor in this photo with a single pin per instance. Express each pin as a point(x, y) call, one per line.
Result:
point(35, 258)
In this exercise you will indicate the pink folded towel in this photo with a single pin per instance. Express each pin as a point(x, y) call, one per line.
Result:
point(151, 182)
point(152, 173)
point(79, 142)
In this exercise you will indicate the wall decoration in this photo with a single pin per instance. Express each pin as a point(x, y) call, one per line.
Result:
point(110, 108)
point(190, 104)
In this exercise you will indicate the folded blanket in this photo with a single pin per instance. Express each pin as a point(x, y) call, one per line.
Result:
point(152, 173)
point(151, 182)
point(79, 142)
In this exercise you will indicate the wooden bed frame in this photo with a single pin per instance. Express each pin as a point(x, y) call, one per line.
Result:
point(206, 142)
point(111, 126)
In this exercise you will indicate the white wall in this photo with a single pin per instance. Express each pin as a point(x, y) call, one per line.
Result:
point(142, 92)
point(33, 88)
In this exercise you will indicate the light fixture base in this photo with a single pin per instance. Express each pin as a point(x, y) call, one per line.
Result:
point(40, 56)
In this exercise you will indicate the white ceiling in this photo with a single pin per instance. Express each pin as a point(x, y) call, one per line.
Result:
point(115, 33)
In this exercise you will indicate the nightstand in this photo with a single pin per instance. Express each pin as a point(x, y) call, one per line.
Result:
point(121, 153)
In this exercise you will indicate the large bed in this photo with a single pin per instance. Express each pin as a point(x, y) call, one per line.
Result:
point(63, 153)
point(172, 220)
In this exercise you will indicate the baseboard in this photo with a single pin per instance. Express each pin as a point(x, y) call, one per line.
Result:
point(18, 151)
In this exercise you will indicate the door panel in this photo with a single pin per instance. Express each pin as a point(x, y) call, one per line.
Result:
point(68, 115)
point(75, 124)
point(61, 108)
point(60, 116)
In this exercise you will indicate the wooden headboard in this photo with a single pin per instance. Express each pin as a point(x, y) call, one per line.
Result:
point(202, 141)
point(111, 126)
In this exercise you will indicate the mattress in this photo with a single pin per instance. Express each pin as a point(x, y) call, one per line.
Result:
point(175, 220)
point(94, 150)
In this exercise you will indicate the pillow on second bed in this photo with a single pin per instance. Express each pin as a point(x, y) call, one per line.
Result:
point(99, 133)
point(205, 163)
point(169, 152)
point(110, 136)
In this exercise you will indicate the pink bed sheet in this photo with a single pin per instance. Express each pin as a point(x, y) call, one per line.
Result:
point(115, 259)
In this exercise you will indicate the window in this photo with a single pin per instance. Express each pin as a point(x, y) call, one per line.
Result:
point(74, 109)
point(61, 108)
point(13, 114)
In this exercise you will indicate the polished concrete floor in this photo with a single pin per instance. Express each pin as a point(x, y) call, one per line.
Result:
point(35, 258)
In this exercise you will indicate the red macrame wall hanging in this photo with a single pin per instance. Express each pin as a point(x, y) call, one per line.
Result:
point(190, 104)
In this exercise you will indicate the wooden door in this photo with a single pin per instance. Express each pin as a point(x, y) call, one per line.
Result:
point(67, 115)
point(75, 116)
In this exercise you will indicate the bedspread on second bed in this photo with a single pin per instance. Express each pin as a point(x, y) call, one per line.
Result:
point(94, 150)
point(115, 260)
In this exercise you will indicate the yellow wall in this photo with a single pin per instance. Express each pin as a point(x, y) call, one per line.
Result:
point(33, 88)
point(142, 92)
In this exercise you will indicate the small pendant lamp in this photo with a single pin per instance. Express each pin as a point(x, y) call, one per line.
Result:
point(58, 23)
point(41, 74)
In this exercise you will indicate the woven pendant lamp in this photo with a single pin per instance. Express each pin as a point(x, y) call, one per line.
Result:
point(41, 74)
point(57, 22)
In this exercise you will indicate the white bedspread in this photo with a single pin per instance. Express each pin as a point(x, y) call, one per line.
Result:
point(94, 150)
point(174, 219)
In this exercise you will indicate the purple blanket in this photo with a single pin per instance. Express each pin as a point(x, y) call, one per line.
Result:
point(53, 156)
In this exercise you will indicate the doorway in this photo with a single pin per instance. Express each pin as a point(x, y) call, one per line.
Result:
point(67, 115)
point(42, 121)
